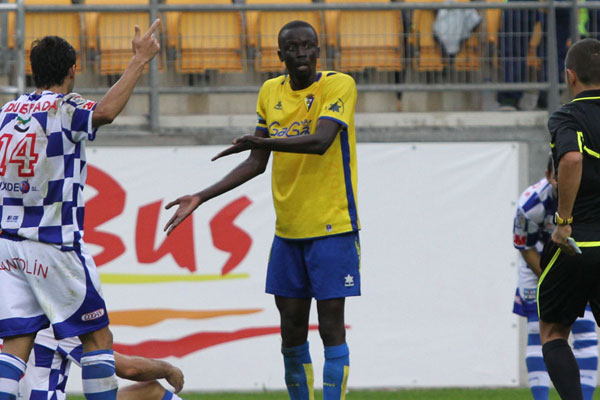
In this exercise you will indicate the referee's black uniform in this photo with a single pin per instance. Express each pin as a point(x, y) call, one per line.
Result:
point(568, 282)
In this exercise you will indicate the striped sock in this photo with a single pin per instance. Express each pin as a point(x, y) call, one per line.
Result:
point(538, 379)
point(585, 349)
point(335, 372)
point(299, 376)
point(170, 396)
point(11, 370)
point(98, 373)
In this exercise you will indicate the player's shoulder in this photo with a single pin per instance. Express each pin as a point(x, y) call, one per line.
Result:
point(275, 82)
point(535, 196)
point(564, 114)
point(335, 77)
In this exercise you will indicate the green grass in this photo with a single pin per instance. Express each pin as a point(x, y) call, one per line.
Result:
point(417, 394)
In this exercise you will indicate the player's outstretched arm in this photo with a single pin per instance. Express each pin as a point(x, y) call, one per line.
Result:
point(143, 369)
point(311, 144)
point(254, 165)
point(144, 49)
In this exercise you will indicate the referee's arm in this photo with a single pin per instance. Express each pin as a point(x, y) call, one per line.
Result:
point(569, 179)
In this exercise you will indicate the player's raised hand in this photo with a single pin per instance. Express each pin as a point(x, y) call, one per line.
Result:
point(243, 143)
point(175, 378)
point(187, 204)
point(145, 47)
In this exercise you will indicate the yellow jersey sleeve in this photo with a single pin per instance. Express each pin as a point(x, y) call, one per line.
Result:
point(339, 99)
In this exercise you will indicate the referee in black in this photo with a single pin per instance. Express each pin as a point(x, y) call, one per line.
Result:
point(570, 280)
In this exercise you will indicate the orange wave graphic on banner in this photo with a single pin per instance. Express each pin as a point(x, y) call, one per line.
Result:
point(149, 317)
point(192, 343)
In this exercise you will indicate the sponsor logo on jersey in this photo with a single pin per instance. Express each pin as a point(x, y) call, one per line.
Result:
point(93, 315)
point(23, 187)
point(295, 129)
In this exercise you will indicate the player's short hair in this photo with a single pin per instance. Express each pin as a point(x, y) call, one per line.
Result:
point(293, 25)
point(584, 58)
point(51, 58)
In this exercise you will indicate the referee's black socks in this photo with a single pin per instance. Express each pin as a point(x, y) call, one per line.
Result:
point(563, 369)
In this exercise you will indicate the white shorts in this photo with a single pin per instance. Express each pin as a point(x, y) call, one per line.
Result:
point(42, 285)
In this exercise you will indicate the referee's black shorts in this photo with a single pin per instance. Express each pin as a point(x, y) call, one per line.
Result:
point(568, 283)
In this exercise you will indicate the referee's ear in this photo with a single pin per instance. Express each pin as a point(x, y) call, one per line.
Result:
point(571, 77)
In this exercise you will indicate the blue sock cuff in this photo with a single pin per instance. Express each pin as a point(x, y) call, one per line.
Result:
point(337, 351)
point(296, 351)
point(97, 352)
point(168, 395)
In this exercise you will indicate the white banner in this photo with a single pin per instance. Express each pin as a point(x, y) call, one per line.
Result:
point(436, 266)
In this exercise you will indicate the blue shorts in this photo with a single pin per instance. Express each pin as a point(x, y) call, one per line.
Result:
point(323, 268)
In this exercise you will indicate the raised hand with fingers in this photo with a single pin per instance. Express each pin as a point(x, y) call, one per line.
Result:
point(187, 204)
point(145, 47)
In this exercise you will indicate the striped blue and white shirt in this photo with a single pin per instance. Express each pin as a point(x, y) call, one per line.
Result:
point(43, 167)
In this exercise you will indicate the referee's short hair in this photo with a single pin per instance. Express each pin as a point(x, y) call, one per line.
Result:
point(584, 58)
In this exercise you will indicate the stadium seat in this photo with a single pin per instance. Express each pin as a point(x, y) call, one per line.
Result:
point(110, 34)
point(38, 25)
point(427, 52)
point(263, 28)
point(365, 39)
point(210, 41)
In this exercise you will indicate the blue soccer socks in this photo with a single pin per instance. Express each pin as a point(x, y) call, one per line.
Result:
point(335, 372)
point(299, 376)
point(11, 370)
point(98, 373)
point(585, 349)
point(170, 396)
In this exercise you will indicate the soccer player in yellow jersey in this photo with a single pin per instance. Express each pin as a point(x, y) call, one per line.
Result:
point(306, 118)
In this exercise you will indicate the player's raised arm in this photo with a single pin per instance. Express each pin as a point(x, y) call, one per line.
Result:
point(144, 49)
point(254, 165)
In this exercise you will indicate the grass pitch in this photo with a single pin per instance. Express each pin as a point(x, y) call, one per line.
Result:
point(417, 394)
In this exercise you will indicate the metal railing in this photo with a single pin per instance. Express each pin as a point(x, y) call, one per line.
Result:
point(416, 61)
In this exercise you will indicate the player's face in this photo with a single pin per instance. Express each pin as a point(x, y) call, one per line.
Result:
point(299, 50)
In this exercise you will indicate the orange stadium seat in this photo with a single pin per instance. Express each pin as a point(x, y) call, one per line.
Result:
point(365, 39)
point(370, 39)
point(428, 54)
point(110, 34)
point(38, 25)
point(262, 32)
point(210, 40)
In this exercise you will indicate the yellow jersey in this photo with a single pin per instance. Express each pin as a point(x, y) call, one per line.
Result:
point(313, 195)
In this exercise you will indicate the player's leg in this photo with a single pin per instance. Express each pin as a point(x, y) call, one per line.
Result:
point(337, 355)
point(151, 390)
point(299, 376)
point(287, 279)
point(334, 269)
point(585, 349)
point(539, 381)
point(98, 365)
point(13, 362)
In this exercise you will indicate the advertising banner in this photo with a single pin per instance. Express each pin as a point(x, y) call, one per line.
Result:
point(437, 268)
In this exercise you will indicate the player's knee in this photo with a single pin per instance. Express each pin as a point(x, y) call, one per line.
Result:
point(332, 332)
point(97, 340)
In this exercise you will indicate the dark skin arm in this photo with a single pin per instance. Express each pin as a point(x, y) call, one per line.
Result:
point(569, 179)
point(254, 165)
point(309, 144)
point(260, 146)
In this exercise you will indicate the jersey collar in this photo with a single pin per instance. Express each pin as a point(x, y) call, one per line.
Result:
point(588, 95)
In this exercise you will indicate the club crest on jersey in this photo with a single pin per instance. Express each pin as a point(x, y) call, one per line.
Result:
point(308, 101)
point(278, 106)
